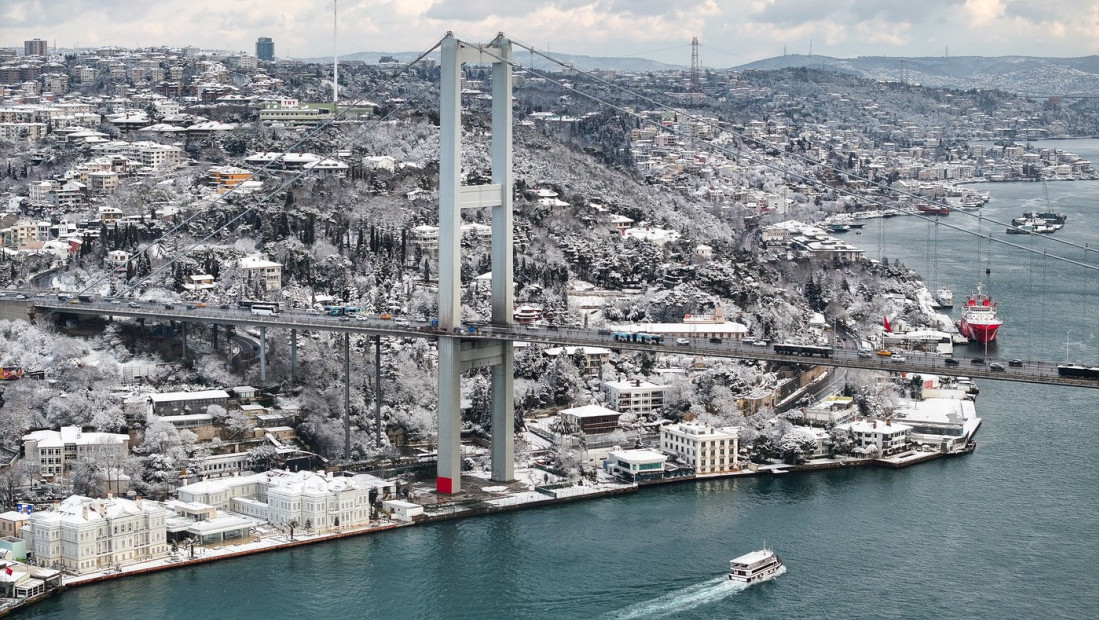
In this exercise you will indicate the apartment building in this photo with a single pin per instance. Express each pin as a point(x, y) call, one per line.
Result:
point(707, 449)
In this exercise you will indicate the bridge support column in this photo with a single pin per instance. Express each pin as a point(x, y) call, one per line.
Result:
point(293, 355)
point(449, 475)
point(215, 330)
point(347, 395)
point(263, 354)
point(183, 340)
point(454, 354)
point(378, 391)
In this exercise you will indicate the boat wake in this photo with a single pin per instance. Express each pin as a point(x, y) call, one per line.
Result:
point(681, 600)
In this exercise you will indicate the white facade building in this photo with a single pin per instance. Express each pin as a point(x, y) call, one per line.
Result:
point(316, 501)
point(83, 535)
point(54, 452)
point(707, 449)
point(886, 436)
point(267, 273)
point(634, 396)
point(636, 464)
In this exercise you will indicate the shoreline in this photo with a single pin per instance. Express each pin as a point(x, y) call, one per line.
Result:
point(280, 542)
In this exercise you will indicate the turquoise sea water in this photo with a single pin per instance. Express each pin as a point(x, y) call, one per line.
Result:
point(1006, 532)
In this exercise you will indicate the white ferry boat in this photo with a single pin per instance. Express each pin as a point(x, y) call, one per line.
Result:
point(757, 566)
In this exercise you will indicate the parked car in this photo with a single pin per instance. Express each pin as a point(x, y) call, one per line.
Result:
point(1015, 363)
point(995, 367)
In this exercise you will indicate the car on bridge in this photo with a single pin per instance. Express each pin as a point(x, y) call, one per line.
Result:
point(950, 361)
point(885, 352)
point(977, 361)
point(134, 304)
point(715, 340)
point(995, 367)
point(899, 359)
point(1015, 363)
point(683, 342)
point(402, 323)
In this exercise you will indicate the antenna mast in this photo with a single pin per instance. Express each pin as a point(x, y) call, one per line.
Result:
point(335, 62)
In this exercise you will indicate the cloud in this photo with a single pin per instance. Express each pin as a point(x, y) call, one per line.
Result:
point(736, 31)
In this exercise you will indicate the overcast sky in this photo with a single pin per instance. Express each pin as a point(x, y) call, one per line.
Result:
point(731, 32)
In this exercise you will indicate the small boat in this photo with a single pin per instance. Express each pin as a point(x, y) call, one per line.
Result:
point(757, 566)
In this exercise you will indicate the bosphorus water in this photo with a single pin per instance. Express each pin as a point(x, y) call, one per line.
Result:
point(1006, 532)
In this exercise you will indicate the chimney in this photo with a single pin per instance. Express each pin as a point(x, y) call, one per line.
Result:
point(139, 502)
point(889, 422)
point(875, 424)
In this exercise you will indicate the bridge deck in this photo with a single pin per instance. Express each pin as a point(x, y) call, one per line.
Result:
point(1042, 372)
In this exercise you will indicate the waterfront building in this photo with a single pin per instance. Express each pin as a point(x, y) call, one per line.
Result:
point(83, 535)
point(636, 465)
point(55, 452)
point(945, 423)
point(635, 396)
point(707, 449)
point(316, 501)
point(886, 437)
point(204, 524)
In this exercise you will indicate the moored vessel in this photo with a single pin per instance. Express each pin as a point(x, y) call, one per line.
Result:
point(757, 566)
point(979, 322)
point(933, 209)
point(945, 298)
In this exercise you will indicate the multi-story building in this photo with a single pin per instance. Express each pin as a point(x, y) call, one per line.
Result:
point(315, 501)
point(182, 403)
point(635, 396)
point(225, 178)
point(884, 438)
point(83, 535)
point(591, 419)
point(707, 449)
point(35, 47)
point(265, 48)
point(267, 273)
point(54, 452)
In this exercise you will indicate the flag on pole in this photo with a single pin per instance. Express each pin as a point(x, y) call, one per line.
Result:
point(888, 328)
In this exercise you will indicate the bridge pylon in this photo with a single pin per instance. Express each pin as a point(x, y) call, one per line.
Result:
point(455, 353)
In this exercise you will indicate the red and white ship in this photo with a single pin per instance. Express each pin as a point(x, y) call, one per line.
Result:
point(979, 322)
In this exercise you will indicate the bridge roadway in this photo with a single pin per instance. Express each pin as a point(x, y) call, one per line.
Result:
point(915, 362)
